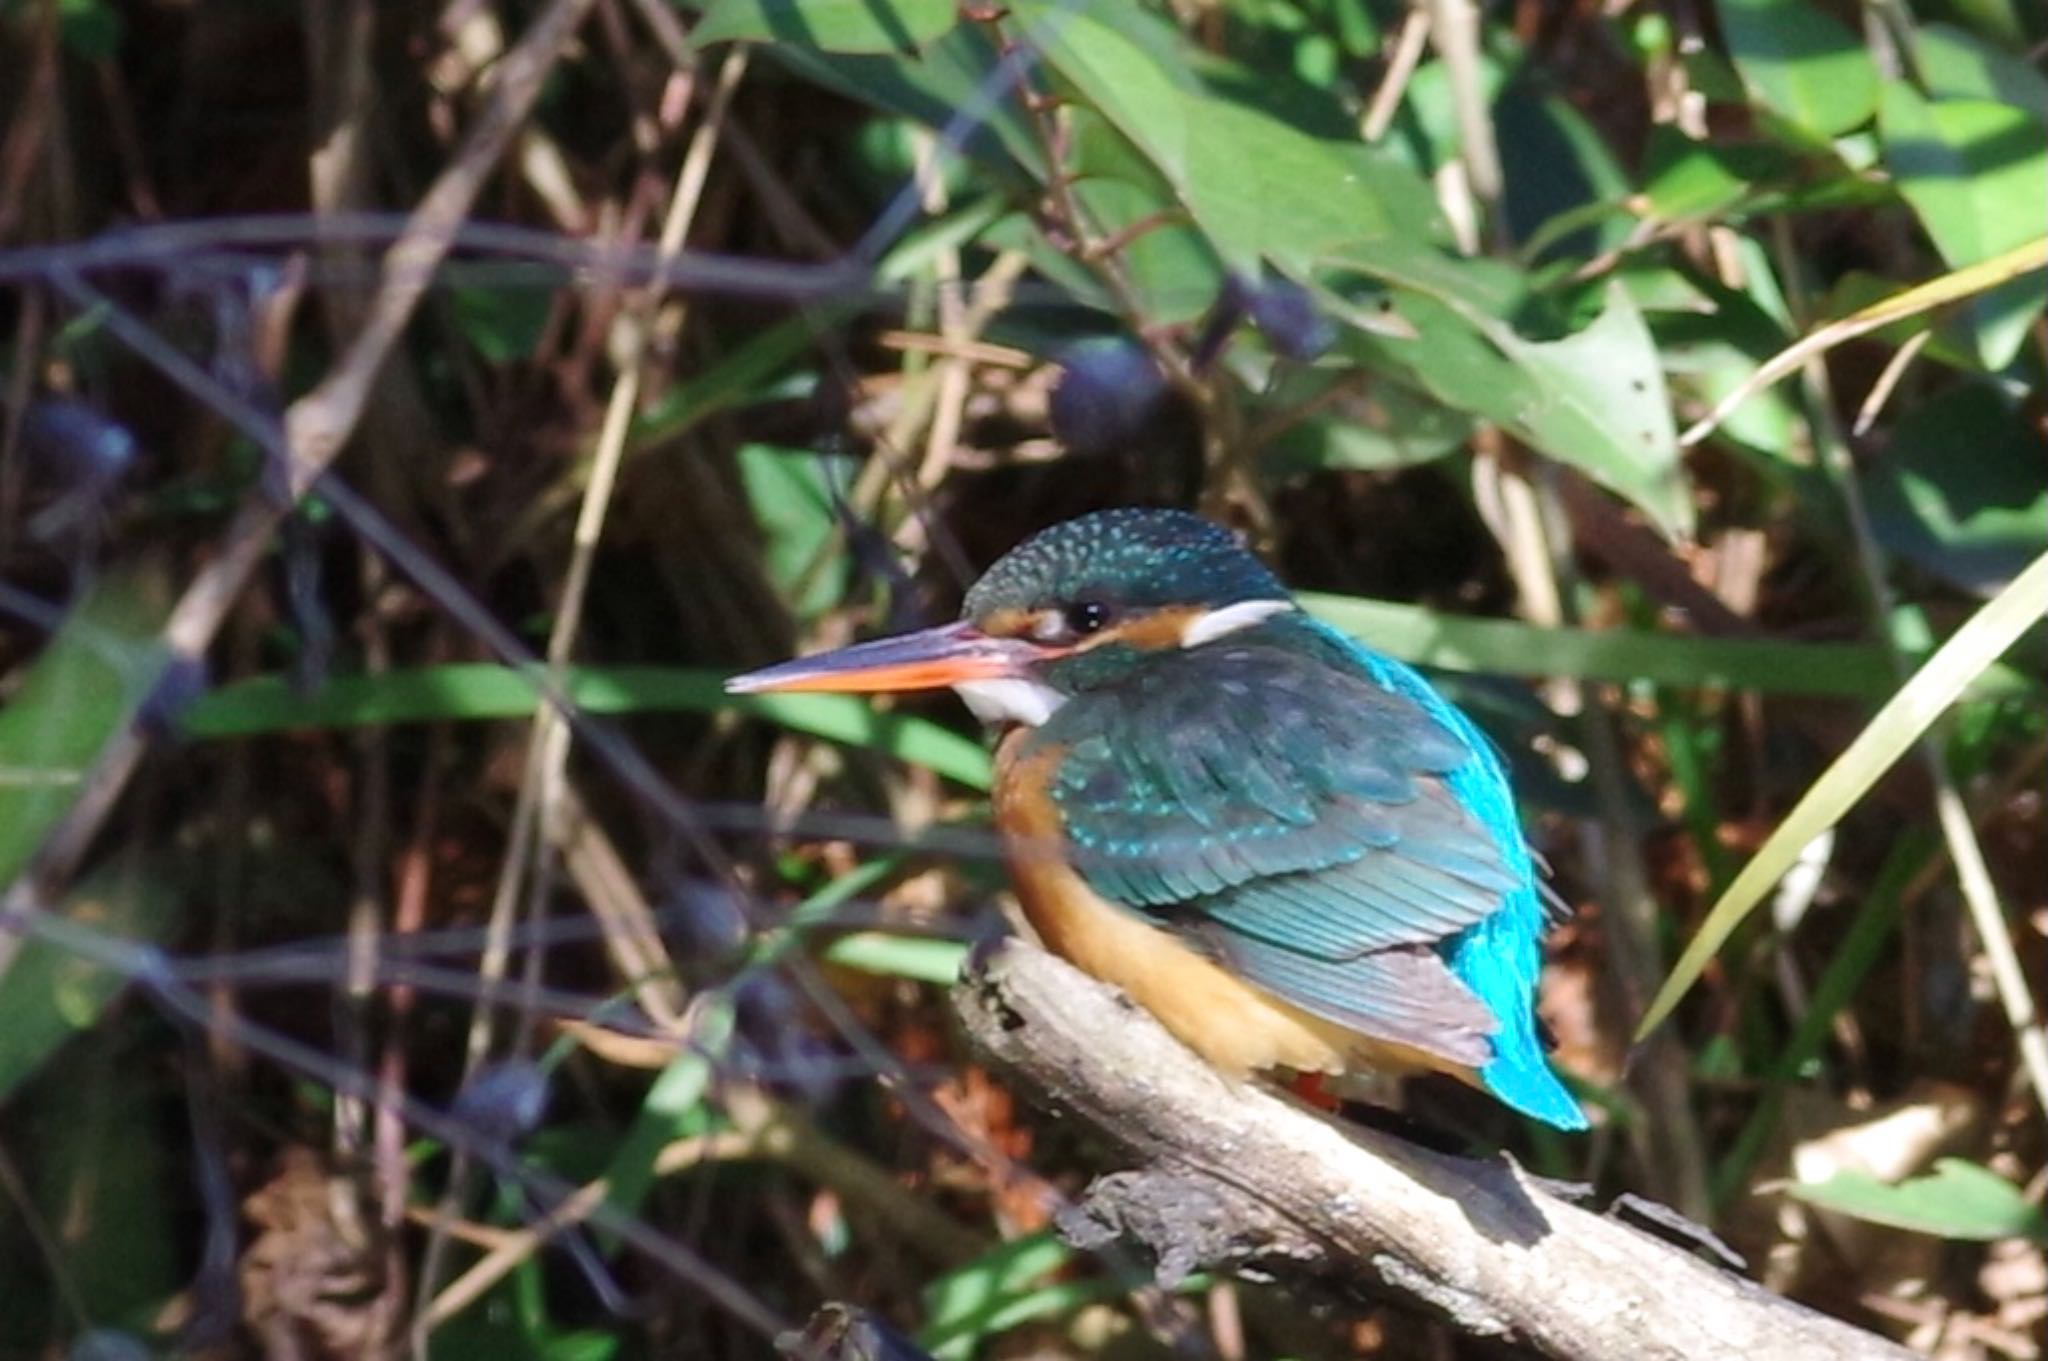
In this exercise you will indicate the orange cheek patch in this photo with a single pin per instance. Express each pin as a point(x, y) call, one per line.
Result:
point(1158, 631)
point(1010, 623)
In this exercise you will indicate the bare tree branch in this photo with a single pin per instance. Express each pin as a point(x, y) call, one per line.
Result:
point(1233, 1176)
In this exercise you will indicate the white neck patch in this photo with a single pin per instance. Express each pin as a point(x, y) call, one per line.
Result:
point(1221, 623)
point(1011, 699)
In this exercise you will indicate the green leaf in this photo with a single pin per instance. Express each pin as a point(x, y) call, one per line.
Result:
point(49, 993)
point(1595, 400)
point(92, 29)
point(1685, 179)
point(828, 25)
point(1976, 174)
point(956, 73)
point(1262, 188)
point(476, 690)
point(1801, 63)
point(1960, 488)
point(963, 1306)
point(505, 324)
point(744, 373)
point(1957, 1200)
point(1387, 426)
point(1980, 642)
point(923, 959)
point(1171, 267)
point(84, 688)
point(1955, 64)
point(108, 1181)
point(793, 505)
point(1604, 409)
point(674, 1108)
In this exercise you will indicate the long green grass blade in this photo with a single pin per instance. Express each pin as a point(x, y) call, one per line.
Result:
point(1975, 646)
point(477, 690)
point(1455, 643)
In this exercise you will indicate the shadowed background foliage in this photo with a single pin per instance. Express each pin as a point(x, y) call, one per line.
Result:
point(764, 325)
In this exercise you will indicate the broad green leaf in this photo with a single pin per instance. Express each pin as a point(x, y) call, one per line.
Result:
point(1955, 64)
point(1683, 178)
point(49, 993)
point(1961, 488)
point(1262, 188)
point(1170, 267)
point(1801, 63)
point(828, 25)
point(85, 687)
point(1386, 426)
point(1604, 409)
point(792, 504)
point(955, 75)
point(1976, 174)
point(1595, 400)
point(477, 690)
point(113, 1188)
point(1557, 166)
point(1957, 1199)
point(1980, 642)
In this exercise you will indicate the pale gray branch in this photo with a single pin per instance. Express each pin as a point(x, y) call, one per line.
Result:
point(1234, 1176)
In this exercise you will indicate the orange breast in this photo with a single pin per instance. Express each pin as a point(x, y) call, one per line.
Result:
point(1236, 1026)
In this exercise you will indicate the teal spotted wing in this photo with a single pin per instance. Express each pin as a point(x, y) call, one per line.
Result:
point(1288, 816)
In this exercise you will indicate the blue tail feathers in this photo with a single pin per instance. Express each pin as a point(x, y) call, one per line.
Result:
point(1501, 958)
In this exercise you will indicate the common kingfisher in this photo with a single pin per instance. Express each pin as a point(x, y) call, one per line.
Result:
point(1288, 848)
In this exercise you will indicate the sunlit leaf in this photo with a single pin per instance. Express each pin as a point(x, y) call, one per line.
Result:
point(923, 959)
point(1976, 173)
point(1596, 400)
point(1957, 1199)
point(1801, 62)
point(1956, 64)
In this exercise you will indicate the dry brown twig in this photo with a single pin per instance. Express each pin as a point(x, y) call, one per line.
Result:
point(1233, 1176)
point(317, 425)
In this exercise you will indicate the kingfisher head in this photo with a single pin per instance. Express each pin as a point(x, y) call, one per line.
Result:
point(1072, 608)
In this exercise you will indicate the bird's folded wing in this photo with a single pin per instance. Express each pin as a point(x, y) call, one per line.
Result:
point(1291, 818)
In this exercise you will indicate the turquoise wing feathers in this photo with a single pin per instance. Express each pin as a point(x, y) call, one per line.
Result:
point(1324, 824)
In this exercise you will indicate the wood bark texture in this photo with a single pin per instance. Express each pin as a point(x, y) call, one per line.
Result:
point(1231, 1176)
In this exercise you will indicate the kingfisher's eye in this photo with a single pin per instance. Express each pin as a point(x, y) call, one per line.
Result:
point(1086, 616)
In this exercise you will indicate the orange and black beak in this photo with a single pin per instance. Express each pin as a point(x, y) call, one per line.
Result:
point(929, 659)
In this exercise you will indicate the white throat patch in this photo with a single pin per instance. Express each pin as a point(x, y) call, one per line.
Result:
point(1010, 699)
point(1215, 624)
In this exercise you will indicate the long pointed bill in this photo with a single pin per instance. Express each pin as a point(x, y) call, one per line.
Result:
point(926, 660)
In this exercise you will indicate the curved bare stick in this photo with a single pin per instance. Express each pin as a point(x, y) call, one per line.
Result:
point(1234, 1176)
